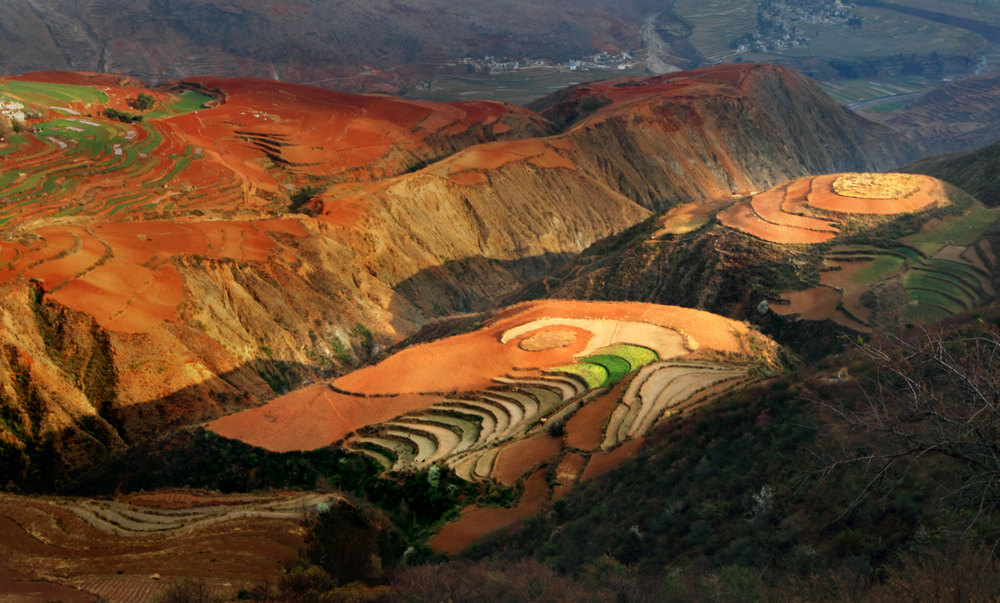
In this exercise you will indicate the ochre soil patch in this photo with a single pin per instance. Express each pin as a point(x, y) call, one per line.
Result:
point(470, 361)
point(477, 522)
point(585, 429)
point(603, 462)
point(817, 303)
point(876, 185)
point(823, 196)
point(689, 217)
point(518, 457)
point(122, 274)
point(44, 540)
point(313, 417)
point(568, 474)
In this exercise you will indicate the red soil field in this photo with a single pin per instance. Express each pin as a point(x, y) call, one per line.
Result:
point(518, 457)
point(477, 522)
point(742, 217)
point(109, 269)
point(328, 132)
point(313, 417)
point(606, 461)
point(823, 197)
point(785, 213)
point(818, 303)
point(43, 540)
point(470, 361)
point(585, 429)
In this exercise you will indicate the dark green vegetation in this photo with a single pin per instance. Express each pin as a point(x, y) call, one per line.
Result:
point(122, 116)
point(793, 489)
point(193, 457)
point(974, 172)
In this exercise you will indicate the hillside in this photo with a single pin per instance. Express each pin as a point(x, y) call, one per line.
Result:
point(365, 46)
point(973, 171)
point(837, 252)
point(169, 301)
point(959, 115)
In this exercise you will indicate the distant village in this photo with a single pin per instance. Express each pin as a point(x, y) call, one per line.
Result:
point(601, 60)
point(782, 24)
point(12, 111)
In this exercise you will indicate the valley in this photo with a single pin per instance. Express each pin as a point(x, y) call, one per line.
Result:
point(242, 306)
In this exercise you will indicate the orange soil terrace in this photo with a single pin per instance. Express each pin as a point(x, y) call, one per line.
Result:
point(330, 133)
point(470, 361)
point(121, 273)
point(805, 211)
point(420, 376)
point(76, 549)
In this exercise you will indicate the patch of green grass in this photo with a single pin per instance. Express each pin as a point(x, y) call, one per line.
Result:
point(616, 366)
point(593, 375)
point(187, 101)
point(14, 142)
point(878, 269)
point(960, 230)
point(636, 355)
point(42, 93)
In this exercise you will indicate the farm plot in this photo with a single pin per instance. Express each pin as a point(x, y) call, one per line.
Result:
point(120, 550)
point(661, 388)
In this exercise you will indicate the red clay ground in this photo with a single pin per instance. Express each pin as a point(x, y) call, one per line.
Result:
point(313, 417)
point(603, 462)
point(787, 213)
point(585, 429)
point(518, 457)
point(470, 361)
point(477, 522)
point(417, 377)
point(50, 551)
point(121, 273)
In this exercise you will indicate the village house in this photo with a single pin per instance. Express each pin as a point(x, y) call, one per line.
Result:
point(13, 111)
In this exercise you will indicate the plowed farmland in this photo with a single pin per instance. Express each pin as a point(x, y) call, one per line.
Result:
point(130, 550)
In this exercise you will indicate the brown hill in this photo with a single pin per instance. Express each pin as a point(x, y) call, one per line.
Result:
point(303, 40)
point(139, 309)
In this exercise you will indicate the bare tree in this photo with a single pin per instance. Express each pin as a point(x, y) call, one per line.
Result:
point(932, 393)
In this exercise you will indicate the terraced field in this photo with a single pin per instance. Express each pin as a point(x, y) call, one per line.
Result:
point(129, 550)
point(943, 269)
point(808, 211)
point(515, 388)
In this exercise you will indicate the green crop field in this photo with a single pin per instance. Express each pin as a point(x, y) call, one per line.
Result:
point(40, 93)
point(187, 101)
point(518, 87)
point(878, 269)
point(637, 356)
point(616, 366)
point(962, 230)
point(715, 23)
point(593, 375)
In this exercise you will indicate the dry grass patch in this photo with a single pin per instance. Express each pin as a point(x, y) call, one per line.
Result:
point(870, 185)
point(548, 339)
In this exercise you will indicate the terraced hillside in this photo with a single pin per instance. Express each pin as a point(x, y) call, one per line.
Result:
point(131, 550)
point(561, 388)
point(837, 251)
point(249, 236)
